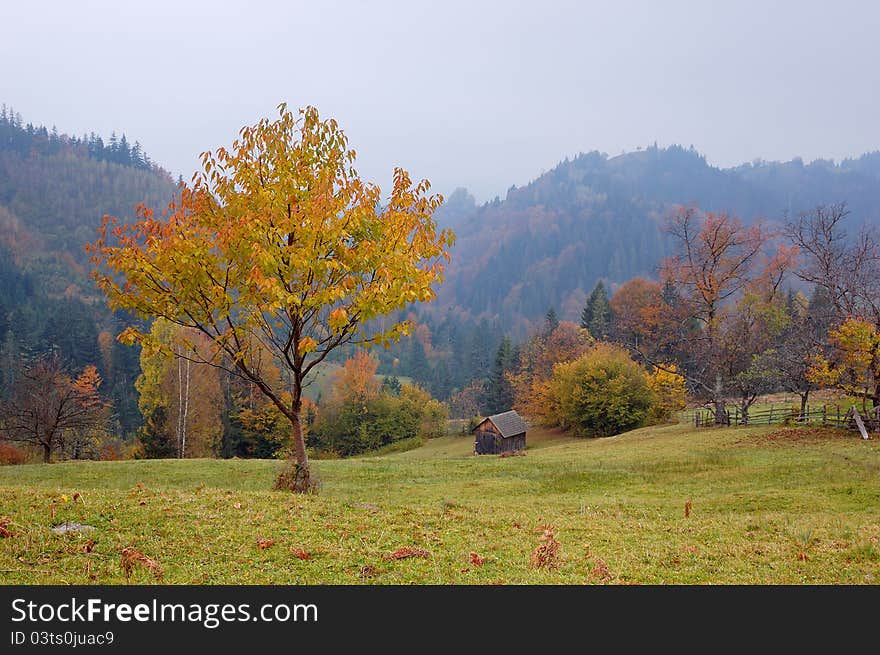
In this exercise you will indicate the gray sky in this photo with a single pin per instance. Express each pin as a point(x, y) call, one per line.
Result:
point(479, 94)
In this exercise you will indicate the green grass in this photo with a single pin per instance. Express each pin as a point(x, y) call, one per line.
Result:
point(782, 510)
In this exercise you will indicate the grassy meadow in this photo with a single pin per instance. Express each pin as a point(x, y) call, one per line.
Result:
point(765, 505)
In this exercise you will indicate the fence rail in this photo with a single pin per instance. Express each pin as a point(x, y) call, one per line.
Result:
point(828, 415)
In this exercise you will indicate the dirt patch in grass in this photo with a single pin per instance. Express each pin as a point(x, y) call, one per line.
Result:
point(795, 435)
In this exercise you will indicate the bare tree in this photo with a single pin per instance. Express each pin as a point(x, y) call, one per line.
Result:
point(805, 335)
point(846, 269)
point(48, 407)
point(724, 277)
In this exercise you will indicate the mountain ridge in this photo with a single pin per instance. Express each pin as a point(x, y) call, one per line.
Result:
point(598, 217)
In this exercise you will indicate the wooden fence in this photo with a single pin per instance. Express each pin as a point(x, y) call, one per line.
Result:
point(829, 415)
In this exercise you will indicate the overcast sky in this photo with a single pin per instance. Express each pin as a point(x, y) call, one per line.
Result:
point(475, 94)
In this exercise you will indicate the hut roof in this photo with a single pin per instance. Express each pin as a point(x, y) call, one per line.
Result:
point(509, 423)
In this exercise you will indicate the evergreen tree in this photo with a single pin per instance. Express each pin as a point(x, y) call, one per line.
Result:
point(551, 321)
point(596, 316)
point(391, 384)
point(500, 392)
point(153, 436)
point(441, 380)
point(479, 353)
point(124, 156)
point(419, 368)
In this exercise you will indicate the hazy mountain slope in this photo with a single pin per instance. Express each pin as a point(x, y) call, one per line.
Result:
point(547, 243)
point(54, 191)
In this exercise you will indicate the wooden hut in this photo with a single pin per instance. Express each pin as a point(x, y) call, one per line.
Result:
point(500, 433)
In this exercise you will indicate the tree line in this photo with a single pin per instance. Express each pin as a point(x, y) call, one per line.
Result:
point(27, 139)
point(736, 311)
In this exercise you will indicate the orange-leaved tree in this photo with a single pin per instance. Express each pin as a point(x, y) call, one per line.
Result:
point(278, 246)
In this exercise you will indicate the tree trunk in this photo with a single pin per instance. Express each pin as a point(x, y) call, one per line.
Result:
point(185, 413)
point(718, 401)
point(302, 457)
point(804, 397)
point(47, 453)
point(297, 475)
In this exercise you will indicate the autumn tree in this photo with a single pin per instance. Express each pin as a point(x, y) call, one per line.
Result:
point(853, 365)
point(49, 408)
point(726, 278)
point(188, 392)
point(602, 392)
point(642, 317)
point(469, 401)
point(847, 269)
point(536, 360)
point(278, 246)
point(794, 351)
point(356, 381)
point(670, 393)
point(360, 415)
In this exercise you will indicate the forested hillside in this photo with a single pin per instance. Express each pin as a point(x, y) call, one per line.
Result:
point(598, 217)
point(543, 246)
point(54, 191)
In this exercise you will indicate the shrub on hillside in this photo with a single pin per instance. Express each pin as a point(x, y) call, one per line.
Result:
point(10, 454)
point(601, 393)
point(349, 426)
point(670, 393)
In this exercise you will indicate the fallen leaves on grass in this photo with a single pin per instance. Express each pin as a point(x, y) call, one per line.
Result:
point(132, 557)
point(600, 570)
point(89, 546)
point(794, 435)
point(475, 559)
point(301, 553)
point(367, 571)
point(546, 554)
point(687, 508)
point(405, 552)
point(5, 532)
point(263, 544)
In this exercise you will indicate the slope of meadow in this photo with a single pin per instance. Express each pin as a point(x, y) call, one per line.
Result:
point(765, 507)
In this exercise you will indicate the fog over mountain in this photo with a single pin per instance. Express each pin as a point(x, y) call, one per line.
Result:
point(476, 94)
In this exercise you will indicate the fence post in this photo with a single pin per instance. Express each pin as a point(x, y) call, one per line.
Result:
point(824, 413)
point(770, 418)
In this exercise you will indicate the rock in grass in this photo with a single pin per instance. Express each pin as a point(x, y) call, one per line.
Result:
point(64, 528)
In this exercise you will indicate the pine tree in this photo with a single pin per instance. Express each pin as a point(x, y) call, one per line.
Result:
point(596, 316)
point(419, 368)
point(391, 384)
point(124, 156)
point(551, 321)
point(500, 392)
